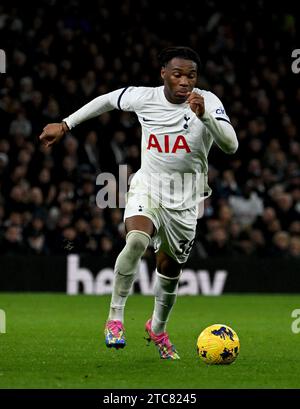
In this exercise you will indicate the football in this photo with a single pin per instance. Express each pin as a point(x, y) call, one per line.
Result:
point(218, 344)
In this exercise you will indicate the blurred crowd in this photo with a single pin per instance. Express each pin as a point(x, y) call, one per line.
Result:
point(60, 55)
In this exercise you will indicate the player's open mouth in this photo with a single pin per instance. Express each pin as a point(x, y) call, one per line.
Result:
point(181, 93)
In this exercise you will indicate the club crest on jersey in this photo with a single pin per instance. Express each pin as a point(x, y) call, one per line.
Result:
point(166, 146)
point(186, 118)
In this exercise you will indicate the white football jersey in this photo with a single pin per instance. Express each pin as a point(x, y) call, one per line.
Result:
point(175, 142)
point(174, 147)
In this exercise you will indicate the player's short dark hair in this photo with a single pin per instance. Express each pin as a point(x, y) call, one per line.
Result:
point(167, 54)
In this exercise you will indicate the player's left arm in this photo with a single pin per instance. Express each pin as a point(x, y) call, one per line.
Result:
point(220, 128)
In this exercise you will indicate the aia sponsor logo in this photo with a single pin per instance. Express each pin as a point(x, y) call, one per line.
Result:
point(166, 146)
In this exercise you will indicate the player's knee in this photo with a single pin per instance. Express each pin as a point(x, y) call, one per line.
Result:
point(169, 269)
point(137, 243)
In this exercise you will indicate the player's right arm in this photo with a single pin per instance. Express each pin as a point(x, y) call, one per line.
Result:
point(53, 133)
point(213, 115)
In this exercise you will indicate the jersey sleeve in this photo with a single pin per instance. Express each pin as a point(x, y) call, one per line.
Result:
point(123, 98)
point(218, 124)
point(214, 106)
point(130, 99)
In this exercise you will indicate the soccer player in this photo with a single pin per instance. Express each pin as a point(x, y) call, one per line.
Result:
point(179, 125)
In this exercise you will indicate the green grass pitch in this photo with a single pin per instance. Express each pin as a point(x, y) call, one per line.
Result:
point(56, 341)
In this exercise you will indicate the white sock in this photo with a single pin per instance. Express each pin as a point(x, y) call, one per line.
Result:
point(125, 271)
point(165, 291)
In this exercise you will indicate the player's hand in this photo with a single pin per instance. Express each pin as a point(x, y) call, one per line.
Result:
point(52, 133)
point(196, 102)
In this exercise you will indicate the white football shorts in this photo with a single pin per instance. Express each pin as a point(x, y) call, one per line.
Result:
point(175, 229)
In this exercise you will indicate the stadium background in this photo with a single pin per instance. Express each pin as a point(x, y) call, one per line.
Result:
point(60, 55)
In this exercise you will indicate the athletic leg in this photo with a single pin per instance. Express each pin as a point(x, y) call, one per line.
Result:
point(139, 230)
point(174, 243)
point(165, 291)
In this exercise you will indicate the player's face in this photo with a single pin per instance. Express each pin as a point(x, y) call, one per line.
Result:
point(180, 77)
